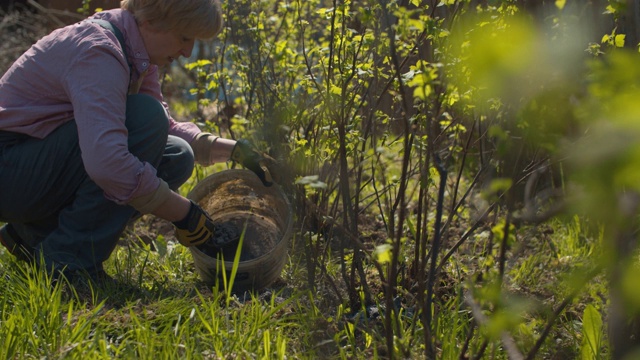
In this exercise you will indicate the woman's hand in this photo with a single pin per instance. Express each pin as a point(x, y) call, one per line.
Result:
point(245, 154)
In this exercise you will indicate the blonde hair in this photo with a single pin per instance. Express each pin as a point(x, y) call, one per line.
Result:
point(201, 19)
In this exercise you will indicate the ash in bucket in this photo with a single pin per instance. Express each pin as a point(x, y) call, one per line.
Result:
point(260, 237)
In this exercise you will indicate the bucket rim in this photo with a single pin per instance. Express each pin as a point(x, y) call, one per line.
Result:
point(205, 184)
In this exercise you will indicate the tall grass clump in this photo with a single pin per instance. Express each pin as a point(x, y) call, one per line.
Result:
point(42, 317)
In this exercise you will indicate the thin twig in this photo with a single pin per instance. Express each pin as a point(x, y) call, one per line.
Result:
point(507, 341)
point(51, 13)
point(344, 232)
point(464, 237)
point(568, 300)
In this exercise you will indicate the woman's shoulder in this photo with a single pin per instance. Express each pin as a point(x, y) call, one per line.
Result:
point(73, 41)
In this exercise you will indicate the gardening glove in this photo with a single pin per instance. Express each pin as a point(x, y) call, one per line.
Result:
point(245, 154)
point(196, 228)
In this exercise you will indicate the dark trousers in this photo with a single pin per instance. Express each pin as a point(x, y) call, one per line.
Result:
point(48, 198)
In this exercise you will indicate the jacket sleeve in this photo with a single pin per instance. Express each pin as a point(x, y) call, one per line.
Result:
point(96, 82)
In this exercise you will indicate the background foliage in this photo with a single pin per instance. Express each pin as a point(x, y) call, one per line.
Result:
point(464, 175)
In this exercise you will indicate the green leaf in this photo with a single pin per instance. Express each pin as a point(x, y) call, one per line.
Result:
point(591, 333)
point(160, 243)
point(422, 93)
point(382, 253)
point(609, 10)
point(630, 289)
point(197, 64)
point(497, 132)
point(335, 90)
point(500, 184)
point(416, 24)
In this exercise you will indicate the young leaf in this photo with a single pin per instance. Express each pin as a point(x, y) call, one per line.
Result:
point(382, 253)
point(592, 333)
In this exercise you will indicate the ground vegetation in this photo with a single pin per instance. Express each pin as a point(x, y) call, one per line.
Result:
point(463, 176)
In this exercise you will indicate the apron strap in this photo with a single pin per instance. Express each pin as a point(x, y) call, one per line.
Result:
point(109, 26)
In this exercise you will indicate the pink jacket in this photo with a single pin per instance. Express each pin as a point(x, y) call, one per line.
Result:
point(79, 72)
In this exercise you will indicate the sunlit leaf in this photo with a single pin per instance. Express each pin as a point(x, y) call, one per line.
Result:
point(382, 253)
point(591, 332)
point(500, 184)
point(336, 90)
point(312, 181)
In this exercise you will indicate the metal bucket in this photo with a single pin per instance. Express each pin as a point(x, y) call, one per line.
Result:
point(237, 197)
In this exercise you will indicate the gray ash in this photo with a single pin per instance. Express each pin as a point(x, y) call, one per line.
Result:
point(260, 237)
point(226, 239)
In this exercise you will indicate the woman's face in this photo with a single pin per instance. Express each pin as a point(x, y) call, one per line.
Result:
point(165, 46)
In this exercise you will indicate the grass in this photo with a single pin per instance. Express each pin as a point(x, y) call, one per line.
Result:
point(159, 308)
point(150, 312)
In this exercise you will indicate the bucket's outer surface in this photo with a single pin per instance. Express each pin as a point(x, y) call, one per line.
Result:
point(239, 197)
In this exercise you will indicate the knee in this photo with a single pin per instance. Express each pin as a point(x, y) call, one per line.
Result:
point(147, 115)
point(177, 163)
point(148, 127)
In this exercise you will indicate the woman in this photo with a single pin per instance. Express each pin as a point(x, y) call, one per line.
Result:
point(86, 141)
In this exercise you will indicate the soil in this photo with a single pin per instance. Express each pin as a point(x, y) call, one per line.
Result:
point(225, 240)
point(260, 236)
